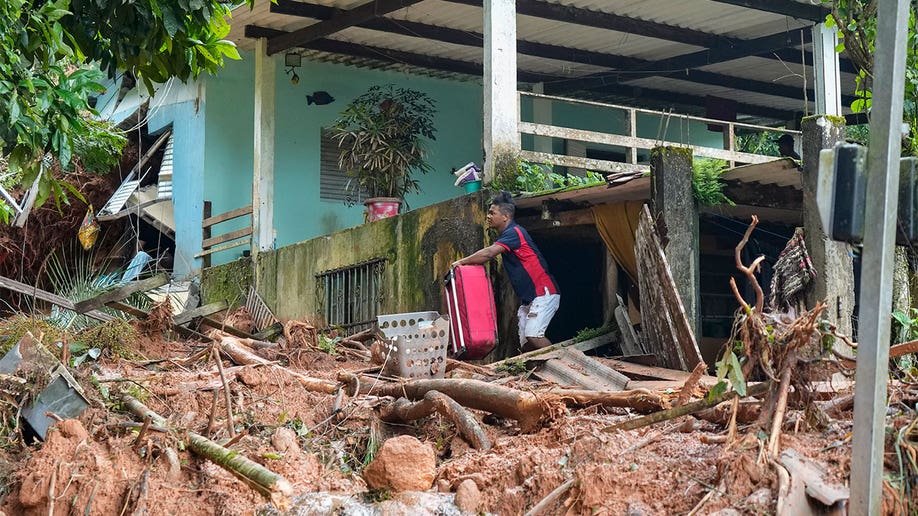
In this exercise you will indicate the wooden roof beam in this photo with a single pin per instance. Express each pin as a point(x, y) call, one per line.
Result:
point(389, 55)
point(815, 13)
point(338, 22)
point(542, 50)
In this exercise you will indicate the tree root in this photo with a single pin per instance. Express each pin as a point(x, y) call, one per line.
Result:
point(402, 410)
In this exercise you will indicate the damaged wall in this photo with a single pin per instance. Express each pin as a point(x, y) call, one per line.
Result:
point(418, 246)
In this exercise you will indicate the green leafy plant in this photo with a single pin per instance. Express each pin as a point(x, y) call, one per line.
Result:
point(382, 135)
point(540, 177)
point(856, 21)
point(512, 367)
point(99, 149)
point(45, 83)
point(764, 143)
point(591, 333)
point(908, 321)
point(729, 367)
point(707, 185)
point(328, 344)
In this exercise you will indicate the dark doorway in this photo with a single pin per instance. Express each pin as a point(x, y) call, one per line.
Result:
point(576, 257)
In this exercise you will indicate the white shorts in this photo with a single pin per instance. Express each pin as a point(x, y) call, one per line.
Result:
point(534, 317)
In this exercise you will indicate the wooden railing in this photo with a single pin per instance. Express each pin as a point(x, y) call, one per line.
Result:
point(631, 142)
point(213, 244)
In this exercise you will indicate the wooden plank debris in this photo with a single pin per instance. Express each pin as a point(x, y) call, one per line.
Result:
point(666, 327)
point(586, 345)
point(201, 311)
point(630, 343)
point(644, 372)
point(52, 298)
point(121, 292)
point(807, 472)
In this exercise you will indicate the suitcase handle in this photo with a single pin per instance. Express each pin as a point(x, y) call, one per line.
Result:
point(449, 281)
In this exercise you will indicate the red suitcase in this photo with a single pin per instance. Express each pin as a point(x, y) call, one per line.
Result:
point(472, 315)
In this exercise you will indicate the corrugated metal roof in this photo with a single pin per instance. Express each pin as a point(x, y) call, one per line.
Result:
point(707, 19)
point(164, 181)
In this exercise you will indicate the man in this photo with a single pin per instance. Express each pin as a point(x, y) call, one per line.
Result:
point(528, 272)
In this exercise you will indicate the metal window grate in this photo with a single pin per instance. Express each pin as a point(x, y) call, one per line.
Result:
point(350, 297)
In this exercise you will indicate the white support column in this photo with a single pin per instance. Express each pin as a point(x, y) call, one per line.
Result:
point(501, 105)
point(541, 114)
point(263, 172)
point(825, 66)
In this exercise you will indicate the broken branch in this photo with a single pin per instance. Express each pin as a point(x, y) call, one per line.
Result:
point(256, 476)
point(237, 353)
point(683, 410)
point(402, 410)
point(750, 271)
point(524, 407)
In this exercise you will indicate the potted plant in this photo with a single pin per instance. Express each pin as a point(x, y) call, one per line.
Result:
point(381, 135)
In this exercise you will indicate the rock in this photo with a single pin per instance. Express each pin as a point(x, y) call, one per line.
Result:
point(403, 463)
point(284, 440)
point(638, 509)
point(468, 497)
point(443, 486)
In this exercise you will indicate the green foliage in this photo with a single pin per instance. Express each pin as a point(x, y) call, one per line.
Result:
point(707, 186)
point(764, 143)
point(541, 177)
point(857, 25)
point(99, 149)
point(381, 135)
point(45, 80)
point(328, 344)
point(907, 321)
point(512, 367)
point(6, 212)
point(729, 368)
point(591, 333)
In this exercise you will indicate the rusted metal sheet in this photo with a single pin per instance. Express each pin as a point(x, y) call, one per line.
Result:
point(666, 328)
point(570, 367)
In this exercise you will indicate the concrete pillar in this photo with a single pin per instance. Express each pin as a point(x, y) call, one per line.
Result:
point(825, 67)
point(501, 107)
point(263, 171)
point(833, 262)
point(676, 213)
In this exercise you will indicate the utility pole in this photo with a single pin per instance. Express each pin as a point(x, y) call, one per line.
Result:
point(877, 266)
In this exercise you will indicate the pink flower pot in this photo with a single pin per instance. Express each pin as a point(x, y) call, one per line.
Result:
point(381, 207)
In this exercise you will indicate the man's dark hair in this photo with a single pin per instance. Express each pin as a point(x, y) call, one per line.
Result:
point(786, 140)
point(504, 203)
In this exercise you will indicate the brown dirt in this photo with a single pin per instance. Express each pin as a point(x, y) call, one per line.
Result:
point(94, 458)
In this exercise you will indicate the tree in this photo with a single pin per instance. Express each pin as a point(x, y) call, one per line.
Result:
point(857, 25)
point(54, 53)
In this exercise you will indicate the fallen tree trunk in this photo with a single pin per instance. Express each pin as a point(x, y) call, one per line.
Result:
point(234, 349)
point(273, 486)
point(683, 410)
point(524, 407)
point(402, 410)
point(642, 400)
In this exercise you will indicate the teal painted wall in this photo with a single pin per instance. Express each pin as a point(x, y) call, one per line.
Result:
point(299, 214)
point(186, 117)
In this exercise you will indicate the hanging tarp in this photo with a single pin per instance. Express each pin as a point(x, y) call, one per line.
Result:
point(617, 224)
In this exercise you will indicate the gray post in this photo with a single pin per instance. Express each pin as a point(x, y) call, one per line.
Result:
point(676, 212)
point(877, 271)
point(834, 266)
point(501, 111)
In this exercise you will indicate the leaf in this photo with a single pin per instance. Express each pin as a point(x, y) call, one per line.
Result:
point(736, 375)
point(718, 389)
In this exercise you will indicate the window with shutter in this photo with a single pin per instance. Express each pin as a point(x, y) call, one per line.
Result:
point(333, 182)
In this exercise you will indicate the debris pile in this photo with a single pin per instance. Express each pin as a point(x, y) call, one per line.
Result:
point(195, 413)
